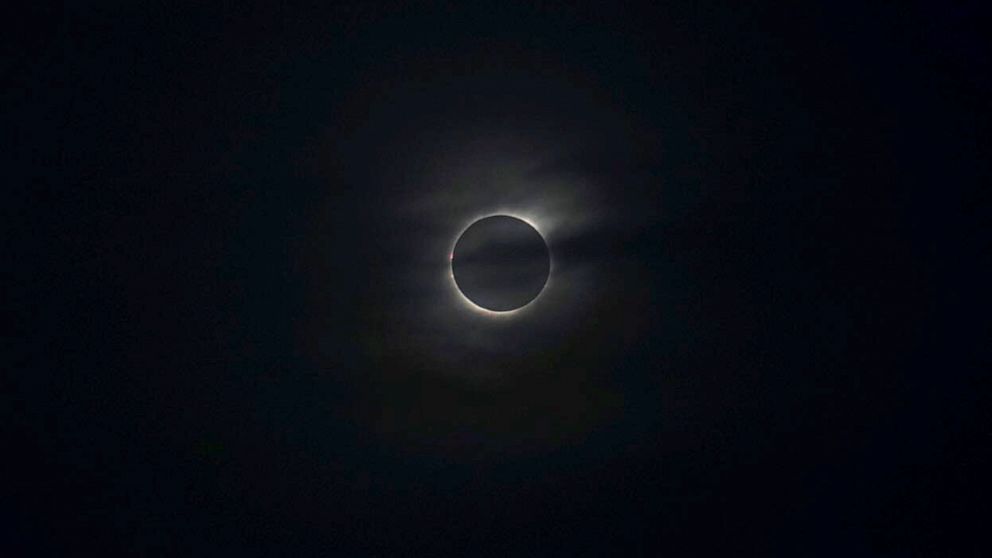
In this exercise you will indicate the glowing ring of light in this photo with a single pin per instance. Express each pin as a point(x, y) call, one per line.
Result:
point(485, 311)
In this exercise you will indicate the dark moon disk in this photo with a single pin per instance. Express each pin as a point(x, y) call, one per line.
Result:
point(501, 263)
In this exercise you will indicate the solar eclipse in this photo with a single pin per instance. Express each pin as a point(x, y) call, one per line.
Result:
point(500, 263)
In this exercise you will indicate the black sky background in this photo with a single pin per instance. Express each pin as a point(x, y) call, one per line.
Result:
point(227, 336)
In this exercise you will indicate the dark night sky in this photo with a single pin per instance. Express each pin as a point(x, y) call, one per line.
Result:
point(234, 332)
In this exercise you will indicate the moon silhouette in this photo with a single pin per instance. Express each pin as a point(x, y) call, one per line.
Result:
point(501, 263)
